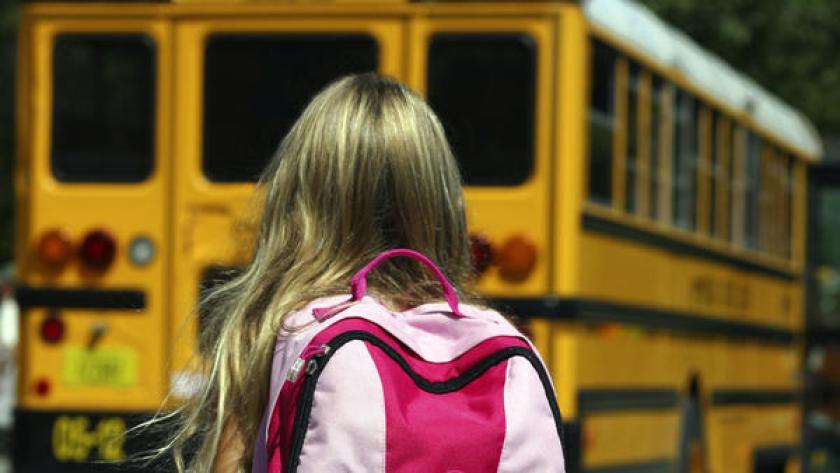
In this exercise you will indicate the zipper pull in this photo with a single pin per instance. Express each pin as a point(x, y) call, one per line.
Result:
point(295, 370)
point(308, 361)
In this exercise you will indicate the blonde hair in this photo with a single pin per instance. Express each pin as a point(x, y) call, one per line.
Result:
point(365, 168)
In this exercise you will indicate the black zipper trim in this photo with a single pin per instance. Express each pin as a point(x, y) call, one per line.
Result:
point(304, 410)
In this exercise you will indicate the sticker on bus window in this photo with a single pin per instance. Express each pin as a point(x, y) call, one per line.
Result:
point(110, 367)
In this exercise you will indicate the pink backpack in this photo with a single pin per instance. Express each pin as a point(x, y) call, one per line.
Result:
point(442, 387)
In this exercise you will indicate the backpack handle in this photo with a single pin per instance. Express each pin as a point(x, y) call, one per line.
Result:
point(358, 285)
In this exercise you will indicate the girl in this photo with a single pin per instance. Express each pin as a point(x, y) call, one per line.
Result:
point(366, 168)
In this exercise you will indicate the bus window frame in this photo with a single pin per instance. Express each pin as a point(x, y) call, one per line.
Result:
point(666, 155)
point(210, 169)
point(737, 186)
point(766, 229)
point(619, 144)
point(704, 175)
point(643, 147)
point(635, 105)
point(684, 161)
point(525, 39)
point(528, 206)
point(151, 159)
point(39, 166)
point(753, 165)
point(728, 232)
point(724, 154)
point(591, 46)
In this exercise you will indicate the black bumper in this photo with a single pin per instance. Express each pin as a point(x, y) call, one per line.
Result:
point(75, 441)
point(62, 298)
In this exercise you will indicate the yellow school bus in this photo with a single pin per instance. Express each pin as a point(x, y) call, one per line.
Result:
point(636, 202)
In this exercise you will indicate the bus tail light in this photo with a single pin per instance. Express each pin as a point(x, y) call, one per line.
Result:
point(98, 250)
point(481, 253)
point(54, 249)
point(52, 329)
point(517, 258)
point(42, 387)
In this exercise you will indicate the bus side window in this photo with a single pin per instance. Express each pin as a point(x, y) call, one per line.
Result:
point(736, 189)
point(256, 85)
point(684, 160)
point(483, 88)
point(767, 214)
point(656, 103)
point(713, 170)
point(790, 188)
point(752, 191)
point(601, 121)
point(632, 160)
point(103, 110)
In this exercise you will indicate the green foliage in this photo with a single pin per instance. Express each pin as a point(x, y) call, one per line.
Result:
point(787, 46)
point(8, 33)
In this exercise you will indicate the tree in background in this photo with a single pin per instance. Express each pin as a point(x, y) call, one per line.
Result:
point(787, 46)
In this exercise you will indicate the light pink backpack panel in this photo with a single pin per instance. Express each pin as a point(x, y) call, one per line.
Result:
point(443, 387)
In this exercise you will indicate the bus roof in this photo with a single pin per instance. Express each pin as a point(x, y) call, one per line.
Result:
point(639, 28)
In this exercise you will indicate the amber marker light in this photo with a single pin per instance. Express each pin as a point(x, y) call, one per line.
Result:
point(54, 249)
point(98, 250)
point(517, 258)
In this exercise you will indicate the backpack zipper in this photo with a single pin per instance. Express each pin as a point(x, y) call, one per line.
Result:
point(301, 363)
point(319, 357)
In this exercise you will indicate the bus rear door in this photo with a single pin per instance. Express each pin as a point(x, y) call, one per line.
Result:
point(92, 234)
point(241, 83)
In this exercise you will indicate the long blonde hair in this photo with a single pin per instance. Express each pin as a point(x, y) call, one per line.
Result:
point(365, 168)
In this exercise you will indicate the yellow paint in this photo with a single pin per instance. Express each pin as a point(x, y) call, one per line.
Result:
point(629, 437)
point(684, 284)
point(127, 211)
point(735, 433)
point(570, 170)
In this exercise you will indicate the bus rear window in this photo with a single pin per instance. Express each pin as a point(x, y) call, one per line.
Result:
point(103, 107)
point(255, 86)
point(482, 86)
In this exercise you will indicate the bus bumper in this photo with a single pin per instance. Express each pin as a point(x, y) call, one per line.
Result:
point(77, 441)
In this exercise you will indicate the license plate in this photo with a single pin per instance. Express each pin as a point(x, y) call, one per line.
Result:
point(79, 438)
point(112, 367)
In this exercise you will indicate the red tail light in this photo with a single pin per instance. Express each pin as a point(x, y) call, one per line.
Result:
point(52, 329)
point(517, 259)
point(98, 250)
point(54, 249)
point(481, 252)
point(42, 387)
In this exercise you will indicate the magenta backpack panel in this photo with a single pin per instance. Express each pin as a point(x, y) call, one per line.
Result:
point(440, 388)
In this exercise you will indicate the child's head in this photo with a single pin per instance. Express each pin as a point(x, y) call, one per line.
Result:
point(365, 168)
